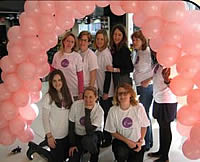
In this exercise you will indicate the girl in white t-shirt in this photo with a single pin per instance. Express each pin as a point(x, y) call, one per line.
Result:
point(70, 63)
point(89, 59)
point(104, 78)
point(127, 122)
point(86, 121)
point(142, 75)
point(55, 115)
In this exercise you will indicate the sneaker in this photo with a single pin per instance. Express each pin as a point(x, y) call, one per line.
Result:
point(154, 154)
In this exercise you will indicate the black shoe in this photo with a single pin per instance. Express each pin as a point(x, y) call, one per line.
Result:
point(147, 149)
point(161, 160)
point(154, 154)
point(105, 144)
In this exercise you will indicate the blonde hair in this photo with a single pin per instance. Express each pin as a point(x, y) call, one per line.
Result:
point(105, 36)
point(133, 100)
point(66, 35)
point(89, 36)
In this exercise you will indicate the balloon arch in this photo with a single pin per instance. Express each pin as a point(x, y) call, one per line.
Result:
point(175, 40)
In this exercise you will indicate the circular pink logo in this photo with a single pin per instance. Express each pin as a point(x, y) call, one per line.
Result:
point(64, 63)
point(82, 120)
point(127, 122)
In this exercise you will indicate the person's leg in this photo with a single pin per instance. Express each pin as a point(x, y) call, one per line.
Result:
point(136, 156)
point(146, 97)
point(106, 105)
point(95, 156)
point(120, 150)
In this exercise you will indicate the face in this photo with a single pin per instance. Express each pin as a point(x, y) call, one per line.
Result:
point(137, 43)
point(57, 82)
point(100, 41)
point(84, 43)
point(89, 98)
point(117, 36)
point(123, 96)
point(69, 43)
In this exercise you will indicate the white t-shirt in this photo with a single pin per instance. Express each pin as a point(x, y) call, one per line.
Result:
point(128, 122)
point(69, 64)
point(142, 66)
point(55, 119)
point(89, 60)
point(77, 115)
point(161, 92)
point(104, 58)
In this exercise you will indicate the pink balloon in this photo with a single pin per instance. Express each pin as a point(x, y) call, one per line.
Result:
point(40, 59)
point(43, 70)
point(3, 121)
point(16, 54)
point(188, 116)
point(36, 96)
point(196, 79)
point(183, 130)
point(26, 136)
point(12, 82)
point(17, 126)
point(193, 96)
point(3, 75)
point(173, 11)
point(47, 7)
point(195, 134)
point(156, 43)
point(30, 112)
point(181, 86)
point(5, 94)
point(64, 22)
point(85, 7)
point(130, 6)
point(116, 8)
point(191, 150)
point(152, 27)
point(59, 30)
point(101, 3)
point(8, 109)
point(48, 40)
point(7, 65)
point(14, 33)
point(66, 6)
point(173, 34)
point(21, 98)
point(139, 19)
point(31, 8)
point(188, 66)
point(26, 71)
point(46, 23)
point(6, 137)
point(151, 8)
point(33, 85)
point(167, 55)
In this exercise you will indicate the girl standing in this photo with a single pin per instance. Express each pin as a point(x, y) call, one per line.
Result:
point(70, 63)
point(56, 106)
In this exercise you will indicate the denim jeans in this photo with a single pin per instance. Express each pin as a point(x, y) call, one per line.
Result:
point(146, 97)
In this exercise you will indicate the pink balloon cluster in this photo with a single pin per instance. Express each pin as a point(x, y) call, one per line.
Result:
point(175, 40)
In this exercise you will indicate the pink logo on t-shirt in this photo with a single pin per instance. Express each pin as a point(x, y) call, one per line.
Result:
point(82, 120)
point(64, 63)
point(127, 122)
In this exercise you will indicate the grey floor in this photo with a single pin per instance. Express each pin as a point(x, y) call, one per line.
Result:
point(106, 155)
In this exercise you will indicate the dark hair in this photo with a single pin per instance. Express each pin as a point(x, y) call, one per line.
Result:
point(138, 34)
point(90, 88)
point(89, 36)
point(105, 36)
point(67, 98)
point(124, 40)
point(128, 87)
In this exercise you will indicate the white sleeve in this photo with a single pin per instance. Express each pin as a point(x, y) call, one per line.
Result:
point(79, 63)
point(107, 60)
point(72, 112)
point(54, 62)
point(92, 62)
point(99, 118)
point(144, 121)
point(110, 122)
point(46, 113)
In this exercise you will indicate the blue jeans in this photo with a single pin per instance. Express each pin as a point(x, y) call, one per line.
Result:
point(146, 97)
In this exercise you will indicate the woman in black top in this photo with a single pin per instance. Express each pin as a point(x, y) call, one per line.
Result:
point(122, 64)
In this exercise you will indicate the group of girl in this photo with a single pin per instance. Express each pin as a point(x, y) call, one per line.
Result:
point(74, 121)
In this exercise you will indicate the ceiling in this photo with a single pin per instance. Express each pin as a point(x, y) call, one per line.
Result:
point(11, 6)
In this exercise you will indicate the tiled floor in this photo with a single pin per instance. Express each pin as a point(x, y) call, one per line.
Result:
point(106, 155)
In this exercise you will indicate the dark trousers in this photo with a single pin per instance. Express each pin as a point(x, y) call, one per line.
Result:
point(106, 105)
point(123, 153)
point(146, 97)
point(60, 153)
point(165, 138)
point(88, 143)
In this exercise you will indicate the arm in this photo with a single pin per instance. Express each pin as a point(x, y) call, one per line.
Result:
point(88, 125)
point(80, 84)
point(106, 85)
point(92, 77)
point(146, 82)
point(166, 73)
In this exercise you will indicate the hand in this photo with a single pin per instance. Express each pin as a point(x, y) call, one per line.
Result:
point(105, 96)
point(131, 144)
point(80, 96)
point(51, 142)
point(166, 74)
point(72, 149)
point(109, 68)
point(145, 83)
point(139, 145)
